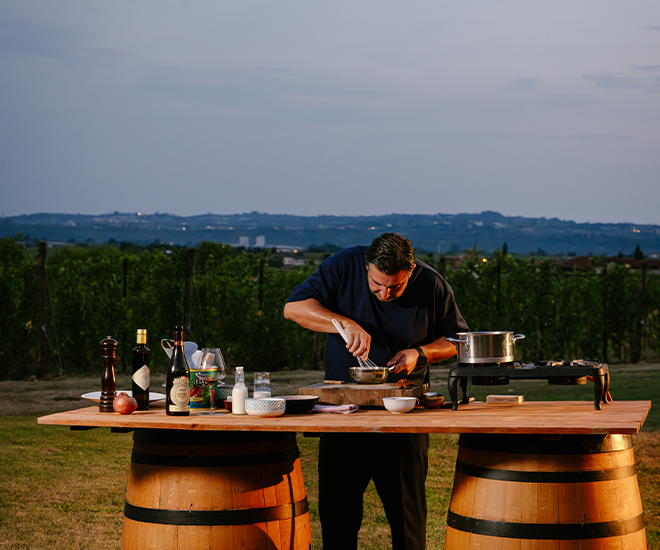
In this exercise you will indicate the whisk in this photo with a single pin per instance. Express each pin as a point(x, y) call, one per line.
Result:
point(368, 364)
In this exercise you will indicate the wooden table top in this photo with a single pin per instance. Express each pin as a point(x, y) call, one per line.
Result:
point(539, 417)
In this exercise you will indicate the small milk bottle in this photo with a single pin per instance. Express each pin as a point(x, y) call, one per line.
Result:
point(239, 393)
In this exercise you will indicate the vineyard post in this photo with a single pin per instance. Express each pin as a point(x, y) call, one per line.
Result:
point(123, 336)
point(442, 266)
point(187, 292)
point(260, 284)
point(636, 352)
point(499, 276)
point(41, 297)
point(606, 319)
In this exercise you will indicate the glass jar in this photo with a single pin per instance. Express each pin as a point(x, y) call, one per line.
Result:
point(261, 385)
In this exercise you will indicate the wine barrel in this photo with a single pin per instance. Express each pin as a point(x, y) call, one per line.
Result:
point(533, 492)
point(216, 490)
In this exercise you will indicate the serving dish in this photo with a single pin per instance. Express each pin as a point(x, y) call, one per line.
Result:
point(265, 406)
point(300, 404)
point(399, 405)
point(96, 395)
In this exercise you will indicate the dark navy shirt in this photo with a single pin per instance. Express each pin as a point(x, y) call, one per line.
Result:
point(424, 312)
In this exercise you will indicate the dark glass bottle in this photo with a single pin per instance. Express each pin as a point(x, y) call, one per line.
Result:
point(178, 379)
point(141, 372)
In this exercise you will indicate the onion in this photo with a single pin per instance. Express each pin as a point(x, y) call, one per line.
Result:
point(124, 404)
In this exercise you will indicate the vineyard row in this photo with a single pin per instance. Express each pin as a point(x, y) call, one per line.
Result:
point(55, 311)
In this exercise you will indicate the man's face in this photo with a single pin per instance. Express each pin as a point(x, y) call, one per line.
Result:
point(386, 287)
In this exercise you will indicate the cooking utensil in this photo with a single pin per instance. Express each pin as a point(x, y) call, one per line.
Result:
point(342, 332)
point(368, 372)
point(368, 375)
point(486, 346)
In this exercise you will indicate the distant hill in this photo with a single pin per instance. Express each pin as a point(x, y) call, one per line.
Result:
point(440, 233)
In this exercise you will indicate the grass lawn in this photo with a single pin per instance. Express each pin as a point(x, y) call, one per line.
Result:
point(64, 489)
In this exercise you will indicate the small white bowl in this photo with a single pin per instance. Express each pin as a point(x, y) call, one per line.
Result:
point(265, 406)
point(399, 405)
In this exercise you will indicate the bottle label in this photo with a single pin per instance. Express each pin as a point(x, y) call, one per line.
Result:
point(142, 377)
point(180, 394)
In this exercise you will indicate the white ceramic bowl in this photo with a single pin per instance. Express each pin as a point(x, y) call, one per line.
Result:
point(265, 406)
point(399, 405)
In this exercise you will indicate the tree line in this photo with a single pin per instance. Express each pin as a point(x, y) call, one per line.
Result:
point(58, 304)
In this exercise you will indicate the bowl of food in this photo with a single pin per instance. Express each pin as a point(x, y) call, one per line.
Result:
point(399, 405)
point(300, 404)
point(368, 375)
point(265, 406)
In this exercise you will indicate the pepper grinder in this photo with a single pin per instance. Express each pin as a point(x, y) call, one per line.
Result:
point(108, 381)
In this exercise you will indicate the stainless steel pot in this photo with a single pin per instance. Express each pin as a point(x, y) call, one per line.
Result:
point(485, 347)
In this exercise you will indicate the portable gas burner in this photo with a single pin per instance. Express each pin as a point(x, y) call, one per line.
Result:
point(562, 373)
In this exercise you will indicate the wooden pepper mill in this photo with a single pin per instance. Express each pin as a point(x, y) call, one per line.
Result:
point(108, 381)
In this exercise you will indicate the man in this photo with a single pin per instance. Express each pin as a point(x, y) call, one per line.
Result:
point(397, 311)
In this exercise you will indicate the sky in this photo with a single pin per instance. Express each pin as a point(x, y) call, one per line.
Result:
point(527, 108)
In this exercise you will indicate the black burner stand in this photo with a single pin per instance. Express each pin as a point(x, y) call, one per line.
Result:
point(460, 374)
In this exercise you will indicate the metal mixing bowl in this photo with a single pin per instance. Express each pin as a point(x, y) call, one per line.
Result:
point(368, 375)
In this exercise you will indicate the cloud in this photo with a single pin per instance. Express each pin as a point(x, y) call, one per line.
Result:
point(272, 95)
point(22, 35)
point(627, 82)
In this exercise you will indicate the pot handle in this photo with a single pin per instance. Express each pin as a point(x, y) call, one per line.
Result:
point(518, 337)
point(457, 341)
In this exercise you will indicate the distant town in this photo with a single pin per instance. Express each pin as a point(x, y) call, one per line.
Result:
point(443, 234)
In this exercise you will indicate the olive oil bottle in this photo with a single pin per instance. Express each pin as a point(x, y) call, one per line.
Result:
point(141, 372)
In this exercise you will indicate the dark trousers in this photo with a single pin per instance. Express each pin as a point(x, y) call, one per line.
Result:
point(397, 463)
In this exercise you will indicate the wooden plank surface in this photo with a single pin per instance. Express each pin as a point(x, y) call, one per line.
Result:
point(362, 395)
point(543, 417)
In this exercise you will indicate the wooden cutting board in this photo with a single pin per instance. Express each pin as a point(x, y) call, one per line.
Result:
point(364, 395)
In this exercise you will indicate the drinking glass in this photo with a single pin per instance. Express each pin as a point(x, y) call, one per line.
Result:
point(211, 371)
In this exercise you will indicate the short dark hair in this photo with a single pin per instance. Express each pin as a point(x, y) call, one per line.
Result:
point(391, 253)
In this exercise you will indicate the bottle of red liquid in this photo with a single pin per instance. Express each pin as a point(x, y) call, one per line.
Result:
point(177, 386)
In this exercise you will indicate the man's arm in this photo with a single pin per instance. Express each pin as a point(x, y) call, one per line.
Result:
point(406, 359)
point(312, 315)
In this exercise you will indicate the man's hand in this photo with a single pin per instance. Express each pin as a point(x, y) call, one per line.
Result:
point(359, 340)
point(404, 361)
point(313, 316)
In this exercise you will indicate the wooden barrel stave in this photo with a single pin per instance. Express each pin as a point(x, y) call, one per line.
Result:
point(503, 498)
point(254, 475)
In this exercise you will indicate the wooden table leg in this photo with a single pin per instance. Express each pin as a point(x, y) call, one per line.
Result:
point(546, 493)
point(218, 490)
